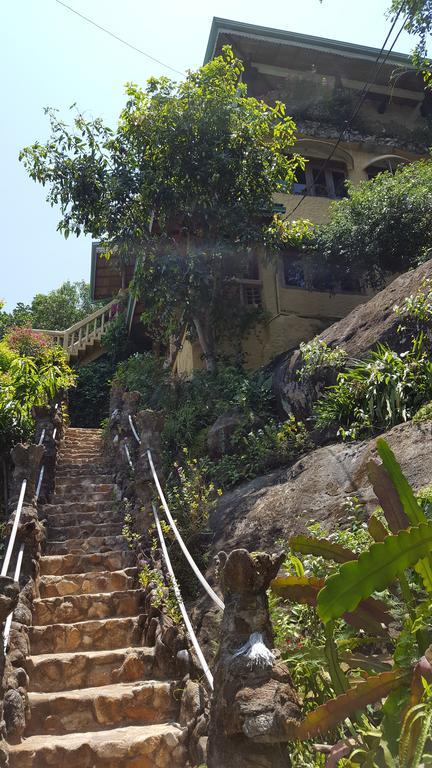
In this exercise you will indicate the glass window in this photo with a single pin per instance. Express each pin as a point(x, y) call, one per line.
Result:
point(339, 178)
point(299, 186)
point(293, 272)
point(320, 183)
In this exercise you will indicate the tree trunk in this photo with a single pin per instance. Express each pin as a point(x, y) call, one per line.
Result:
point(205, 338)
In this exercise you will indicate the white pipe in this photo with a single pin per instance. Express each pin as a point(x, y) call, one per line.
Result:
point(8, 622)
point(181, 604)
point(40, 481)
point(11, 544)
point(136, 435)
point(183, 546)
point(42, 437)
point(54, 434)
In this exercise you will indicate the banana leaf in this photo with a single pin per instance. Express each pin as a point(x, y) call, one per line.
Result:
point(308, 545)
point(327, 716)
point(387, 496)
point(373, 571)
point(370, 615)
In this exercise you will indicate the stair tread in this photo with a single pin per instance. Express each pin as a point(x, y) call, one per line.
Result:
point(113, 691)
point(114, 736)
point(68, 656)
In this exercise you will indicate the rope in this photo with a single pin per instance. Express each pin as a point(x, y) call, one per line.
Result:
point(8, 622)
point(180, 602)
point(11, 544)
point(128, 456)
point(135, 433)
point(183, 546)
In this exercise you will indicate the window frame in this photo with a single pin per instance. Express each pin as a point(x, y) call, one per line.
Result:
point(312, 167)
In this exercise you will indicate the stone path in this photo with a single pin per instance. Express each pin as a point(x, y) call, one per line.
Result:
point(93, 697)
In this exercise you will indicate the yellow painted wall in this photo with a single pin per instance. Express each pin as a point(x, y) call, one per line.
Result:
point(295, 314)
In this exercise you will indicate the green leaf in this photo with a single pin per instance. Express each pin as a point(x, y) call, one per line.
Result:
point(307, 545)
point(388, 497)
point(335, 711)
point(409, 502)
point(370, 615)
point(373, 571)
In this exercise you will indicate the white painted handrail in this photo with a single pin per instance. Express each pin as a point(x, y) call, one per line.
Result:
point(8, 555)
point(8, 622)
point(180, 602)
point(183, 546)
point(85, 332)
point(135, 433)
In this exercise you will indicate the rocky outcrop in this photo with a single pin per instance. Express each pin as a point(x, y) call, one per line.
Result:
point(359, 332)
point(315, 488)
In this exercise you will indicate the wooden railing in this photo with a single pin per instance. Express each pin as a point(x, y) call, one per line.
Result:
point(87, 332)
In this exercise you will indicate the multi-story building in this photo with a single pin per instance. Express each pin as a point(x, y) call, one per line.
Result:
point(321, 83)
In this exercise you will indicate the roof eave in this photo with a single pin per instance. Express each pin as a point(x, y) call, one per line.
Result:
point(220, 25)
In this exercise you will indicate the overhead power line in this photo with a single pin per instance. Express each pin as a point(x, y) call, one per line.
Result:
point(120, 39)
point(363, 93)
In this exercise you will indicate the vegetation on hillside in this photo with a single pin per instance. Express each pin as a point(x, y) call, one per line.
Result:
point(351, 615)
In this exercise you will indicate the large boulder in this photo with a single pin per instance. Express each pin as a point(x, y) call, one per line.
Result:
point(359, 332)
point(316, 488)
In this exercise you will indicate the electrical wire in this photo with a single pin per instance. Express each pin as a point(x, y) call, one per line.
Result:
point(120, 39)
point(363, 93)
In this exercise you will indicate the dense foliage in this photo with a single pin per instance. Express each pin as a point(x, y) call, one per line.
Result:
point(257, 444)
point(184, 185)
point(378, 392)
point(32, 372)
point(352, 620)
point(381, 227)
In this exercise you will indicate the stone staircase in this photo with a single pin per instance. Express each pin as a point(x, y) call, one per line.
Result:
point(93, 697)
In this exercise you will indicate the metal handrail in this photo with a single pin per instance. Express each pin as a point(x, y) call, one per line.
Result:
point(180, 602)
point(11, 544)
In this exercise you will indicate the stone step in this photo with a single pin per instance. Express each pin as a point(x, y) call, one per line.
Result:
point(51, 511)
point(53, 565)
point(91, 709)
point(67, 671)
point(93, 517)
point(88, 583)
point(86, 546)
point(76, 470)
point(72, 608)
point(84, 530)
point(84, 483)
point(102, 635)
point(146, 746)
point(85, 495)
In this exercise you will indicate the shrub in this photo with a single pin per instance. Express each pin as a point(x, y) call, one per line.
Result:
point(27, 343)
point(7, 355)
point(378, 392)
point(259, 451)
point(89, 402)
point(424, 413)
point(418, 305)
point(318, 354)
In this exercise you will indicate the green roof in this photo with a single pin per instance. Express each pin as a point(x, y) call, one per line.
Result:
point(282, 36)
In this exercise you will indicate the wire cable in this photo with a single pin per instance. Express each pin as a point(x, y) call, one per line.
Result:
point(363, 93)
point(120, 39)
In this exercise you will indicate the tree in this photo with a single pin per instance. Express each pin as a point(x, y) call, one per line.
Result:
point(20, 316)
point(62, 307)
point(184, 184)
point(418, 15)
point(382, 227)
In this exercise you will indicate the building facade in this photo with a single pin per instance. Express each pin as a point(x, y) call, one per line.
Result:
point(321, 82)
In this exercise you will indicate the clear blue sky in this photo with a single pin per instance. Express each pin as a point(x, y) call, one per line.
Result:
point(50, 57)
